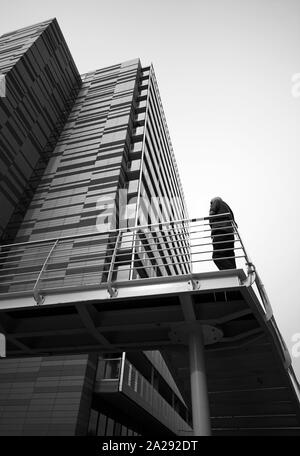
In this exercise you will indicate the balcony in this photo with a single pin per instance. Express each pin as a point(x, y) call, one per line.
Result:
point(121, 384)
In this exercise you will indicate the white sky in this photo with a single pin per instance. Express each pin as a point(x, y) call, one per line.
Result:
point(224, 70)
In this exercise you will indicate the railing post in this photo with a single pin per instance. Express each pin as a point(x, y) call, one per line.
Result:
point(121, 376)
point(250, 266)
point(264, 297)
point(133, 252)
point(113, 291)
point(39, 298)
point(190, 248)
point(253, 276)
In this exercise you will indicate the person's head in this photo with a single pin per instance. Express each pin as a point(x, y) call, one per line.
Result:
point(216, 198)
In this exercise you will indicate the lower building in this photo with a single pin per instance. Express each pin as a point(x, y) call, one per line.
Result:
point(126, 394)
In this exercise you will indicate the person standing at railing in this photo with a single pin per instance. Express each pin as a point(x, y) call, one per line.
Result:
point(222, 233)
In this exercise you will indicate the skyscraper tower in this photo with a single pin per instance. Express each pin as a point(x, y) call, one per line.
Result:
point(83, 155)
point(41, 84)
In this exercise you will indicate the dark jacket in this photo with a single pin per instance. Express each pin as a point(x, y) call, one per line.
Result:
point(218, 206)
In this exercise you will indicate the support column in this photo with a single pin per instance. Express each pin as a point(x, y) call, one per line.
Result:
point(199, 393)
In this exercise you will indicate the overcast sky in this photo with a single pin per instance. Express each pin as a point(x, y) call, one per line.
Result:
point(224, 69)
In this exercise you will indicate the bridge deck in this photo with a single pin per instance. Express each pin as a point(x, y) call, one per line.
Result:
point(252, 387)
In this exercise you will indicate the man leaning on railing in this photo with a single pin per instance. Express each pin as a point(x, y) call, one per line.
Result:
point(222, 233)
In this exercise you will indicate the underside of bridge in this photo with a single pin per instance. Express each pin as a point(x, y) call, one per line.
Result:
point(251, 385)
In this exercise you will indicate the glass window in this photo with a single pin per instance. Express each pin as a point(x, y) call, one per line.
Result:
point(112, 369)
point(117, 430)
point(110, 427)
point(93, 422)
point(102, 424)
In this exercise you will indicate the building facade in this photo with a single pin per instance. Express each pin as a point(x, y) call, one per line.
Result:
point(84, 156)
point(41, 84)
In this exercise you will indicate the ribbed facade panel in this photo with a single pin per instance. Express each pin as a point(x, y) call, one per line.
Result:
point(46, 396)
point(41, 83)
point(87, 161)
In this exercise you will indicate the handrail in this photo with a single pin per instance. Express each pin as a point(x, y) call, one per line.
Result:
point(172, 247)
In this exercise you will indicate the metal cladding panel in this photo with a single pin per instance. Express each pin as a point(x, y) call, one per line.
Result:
point(45, 395)
point(41, 82)
point(85, 172)
point(86, 163)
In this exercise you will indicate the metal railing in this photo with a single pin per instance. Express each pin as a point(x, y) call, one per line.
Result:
point(174, 248)
point(163, 249)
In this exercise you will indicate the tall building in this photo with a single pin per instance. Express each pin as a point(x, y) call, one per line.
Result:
point(109, 330)
point(84, 155)
point(41, 83)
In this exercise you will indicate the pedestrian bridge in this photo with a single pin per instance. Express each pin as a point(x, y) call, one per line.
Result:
point(156, 287)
